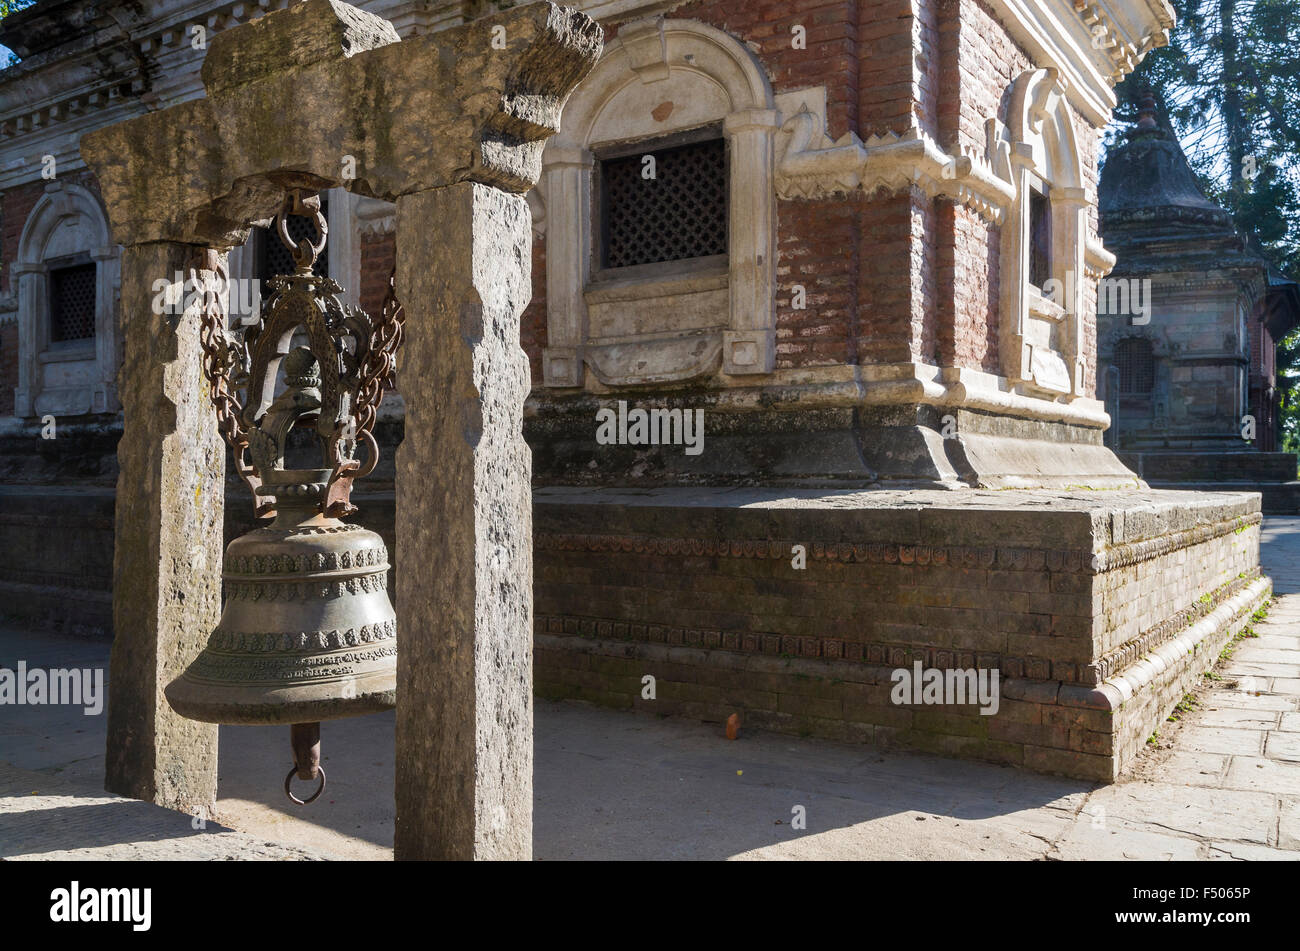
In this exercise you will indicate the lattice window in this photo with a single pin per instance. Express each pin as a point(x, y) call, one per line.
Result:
point(680, 213)
point(1137, 366)
point(72, 303)
point(274, 258)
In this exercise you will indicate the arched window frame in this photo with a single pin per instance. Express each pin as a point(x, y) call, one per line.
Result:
point(665, 56)
point(66, 222)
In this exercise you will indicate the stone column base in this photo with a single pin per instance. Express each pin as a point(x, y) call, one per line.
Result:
point(893, 447)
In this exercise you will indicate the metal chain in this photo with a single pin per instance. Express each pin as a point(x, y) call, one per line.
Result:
point(220, 354)
point(378, 370)
point(377, 373)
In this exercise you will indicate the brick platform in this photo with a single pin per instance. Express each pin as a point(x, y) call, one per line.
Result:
point(1098, 609)
point(1271, 474)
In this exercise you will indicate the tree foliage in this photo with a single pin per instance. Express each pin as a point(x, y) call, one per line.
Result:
point(1228, 84)
point(7, 7)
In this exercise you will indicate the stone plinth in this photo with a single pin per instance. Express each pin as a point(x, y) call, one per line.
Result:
point(1098, 610)
point(1271, 474)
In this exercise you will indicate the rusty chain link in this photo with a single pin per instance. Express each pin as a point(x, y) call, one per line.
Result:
point(378, 372)
point(221, 354)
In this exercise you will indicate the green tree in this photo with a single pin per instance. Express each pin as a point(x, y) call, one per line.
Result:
point(1228, 84)
point(7, 58)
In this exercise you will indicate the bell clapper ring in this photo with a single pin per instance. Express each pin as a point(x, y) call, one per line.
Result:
point(305, 739)
point(313, 797)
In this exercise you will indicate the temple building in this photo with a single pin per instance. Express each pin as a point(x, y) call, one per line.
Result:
point(856, 241)
point(1188, 324)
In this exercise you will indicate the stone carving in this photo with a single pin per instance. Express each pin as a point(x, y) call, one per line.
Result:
point(812, 166)
point(318, 640)
point(681, 321)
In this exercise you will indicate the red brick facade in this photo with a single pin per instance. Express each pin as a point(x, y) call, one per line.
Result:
point(8, 366)
point(889, 277)
point(378, 258)
point(16, 205)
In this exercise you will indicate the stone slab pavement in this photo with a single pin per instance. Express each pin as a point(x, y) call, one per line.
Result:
point(1222, 782)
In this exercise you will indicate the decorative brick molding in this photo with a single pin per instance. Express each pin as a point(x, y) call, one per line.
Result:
point(889, 655)
point(1132, 553)
point(1007, 559)
point(1004, 559)
point(1146, 642)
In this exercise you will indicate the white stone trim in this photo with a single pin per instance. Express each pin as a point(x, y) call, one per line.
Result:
point(1038, 144)
point(812, 166)
point(1060, 34)
point(895, 384)
point(711, 77)
point(1097, 261)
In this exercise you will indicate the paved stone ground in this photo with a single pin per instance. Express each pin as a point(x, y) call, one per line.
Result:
point(1223, 782)
point(46, 817)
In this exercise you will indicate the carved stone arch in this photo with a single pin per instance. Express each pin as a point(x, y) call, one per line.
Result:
point(659, 78)
point(1037, 151)
point(67, 226)
point(1039, 116)
point(650, 52)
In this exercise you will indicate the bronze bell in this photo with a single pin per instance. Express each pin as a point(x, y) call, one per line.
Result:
point(307, 632)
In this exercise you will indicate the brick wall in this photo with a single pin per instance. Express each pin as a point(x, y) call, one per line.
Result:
point(378, 258)
point(1061, 613)
point(818, 248)
point(832, 58)
point(889, 278)
point(15, 206)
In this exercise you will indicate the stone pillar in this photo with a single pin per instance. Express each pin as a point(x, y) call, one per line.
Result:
point(464, 529)
point(167, 562)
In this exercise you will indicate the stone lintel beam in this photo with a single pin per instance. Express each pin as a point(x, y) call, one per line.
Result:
point(304, 96)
